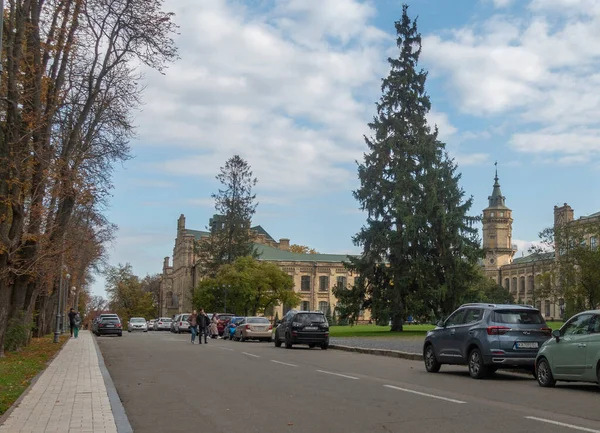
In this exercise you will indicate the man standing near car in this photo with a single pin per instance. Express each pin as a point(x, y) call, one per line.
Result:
point(203, 326)
point(193, 321)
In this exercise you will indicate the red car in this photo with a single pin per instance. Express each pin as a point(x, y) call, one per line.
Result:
point(224, 318)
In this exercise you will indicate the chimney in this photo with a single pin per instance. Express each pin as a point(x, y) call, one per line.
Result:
point(181, 223)
point(563, 214)
point(166, 263)
point(284, 244)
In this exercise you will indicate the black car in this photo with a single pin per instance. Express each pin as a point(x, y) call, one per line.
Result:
point(110, 325)
point(303, 327)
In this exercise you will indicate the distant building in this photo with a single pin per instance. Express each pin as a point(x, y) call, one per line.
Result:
point(520, 275)
point(314, 275)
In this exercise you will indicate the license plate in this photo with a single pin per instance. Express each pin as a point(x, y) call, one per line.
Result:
point(110, 326)
point(311, 328)
point(527, 345)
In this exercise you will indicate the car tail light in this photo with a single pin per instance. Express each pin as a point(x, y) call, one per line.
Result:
point(100, 325)
point(160, 323)
point(547, 331)
point(118, 325)
point(180, 323)
point(270, 327)
point(247, 326)
point(497, 330)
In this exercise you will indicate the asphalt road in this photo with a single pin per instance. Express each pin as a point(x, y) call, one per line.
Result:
point(168, 385)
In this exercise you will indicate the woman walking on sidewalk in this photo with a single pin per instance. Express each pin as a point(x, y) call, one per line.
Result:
point(76, 324)
point(193, 319)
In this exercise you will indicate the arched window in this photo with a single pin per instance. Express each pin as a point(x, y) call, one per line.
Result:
point(513, 286)
point(530, 284)
point(323, 306)
point(507, 283)
point(169, 299)
point(522, 286)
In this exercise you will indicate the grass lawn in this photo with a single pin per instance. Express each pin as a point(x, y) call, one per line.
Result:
point(384, 331)
point(18, 368)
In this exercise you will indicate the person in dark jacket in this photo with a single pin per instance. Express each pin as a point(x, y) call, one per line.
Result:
point(203, 326)
point(72, 315)
point(193, 320)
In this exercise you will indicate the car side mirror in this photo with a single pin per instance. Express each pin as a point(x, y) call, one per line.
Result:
point(441, 324)
point(556, 334)
point(277, 322)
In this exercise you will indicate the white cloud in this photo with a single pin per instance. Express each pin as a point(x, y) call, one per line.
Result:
point(471, 159)
point(524, 246)
point(541, 73)
point(502, 3)
point(445, 129)
point(284, 90)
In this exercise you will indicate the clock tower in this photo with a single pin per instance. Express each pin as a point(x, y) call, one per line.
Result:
point(497, 233)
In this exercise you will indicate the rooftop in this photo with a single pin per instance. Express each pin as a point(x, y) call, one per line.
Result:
point(269, 253)
point(535, 257)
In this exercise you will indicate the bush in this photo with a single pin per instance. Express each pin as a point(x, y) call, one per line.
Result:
point(17, 332)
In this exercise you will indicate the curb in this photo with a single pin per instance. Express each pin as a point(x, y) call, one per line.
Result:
point(379, 352)
point(118, 410)
point(33, 381)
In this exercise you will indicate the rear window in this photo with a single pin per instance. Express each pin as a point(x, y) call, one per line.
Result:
point(518, 317)
point(258, 320)
point(185, 316)
point(137, 320)
point(110, 320)
point(308, 318)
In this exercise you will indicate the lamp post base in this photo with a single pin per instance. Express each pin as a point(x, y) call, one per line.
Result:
point(57, 329)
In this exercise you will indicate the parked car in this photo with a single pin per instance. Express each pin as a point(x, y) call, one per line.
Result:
point(99, 318)
point(162, 324)
point(303, 327)
point(151, 325)
point(181, 323)
point(253, 328)
point(173, 322)
point(109, 325)
point(487, 337)
point(137, 324)
point(573, 354)
point(223, 319)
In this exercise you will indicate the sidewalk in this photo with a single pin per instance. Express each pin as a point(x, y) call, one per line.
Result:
point(69, 397)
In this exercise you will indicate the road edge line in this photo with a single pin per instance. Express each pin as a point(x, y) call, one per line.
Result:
point(425, 394)
point(379, 352)
point(119, 415)
point(562, 424)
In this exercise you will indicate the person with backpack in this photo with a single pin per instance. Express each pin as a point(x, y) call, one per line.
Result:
point(203, 326)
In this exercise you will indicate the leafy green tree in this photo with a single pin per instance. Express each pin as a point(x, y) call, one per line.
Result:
point(230, 235)
point(419, 245)
point(484, 289)
point(127, 297)
point(302, 249)
point(254, 287)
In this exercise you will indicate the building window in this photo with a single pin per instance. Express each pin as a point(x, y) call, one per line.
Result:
point(305, 283)
point(492, 214)
point(324, 283)
point(507, 283)
point(305, 306)
point(342, 282)
point(547, 308)
point(513, 286)
point(593, 242)
point(501, 214)
point(522, 286)
point(531, 284)
point(323, 307)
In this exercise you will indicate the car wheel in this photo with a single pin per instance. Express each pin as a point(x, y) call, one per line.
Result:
point(325, 346)
point(312, 345)
point(277, 341)
point(129, 330)
point(288, 342)
point(120, 334)
point(431, 363)
point(242, 338)
point(544, 374)
point(477, 369)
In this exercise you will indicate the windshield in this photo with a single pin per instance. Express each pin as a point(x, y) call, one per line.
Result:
point(110, 320)
point(137, 320)
point(259, 320)
point(518, 317)
point(308, 318)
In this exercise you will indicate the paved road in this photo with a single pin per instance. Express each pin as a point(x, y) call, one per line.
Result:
point(168, 385)
point(410, 344)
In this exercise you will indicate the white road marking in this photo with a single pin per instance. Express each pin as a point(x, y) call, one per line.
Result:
point(338, 374)
point(283, 363)
point(562, 424)
point(226, 348)
point(425, 394)
point(250, 354)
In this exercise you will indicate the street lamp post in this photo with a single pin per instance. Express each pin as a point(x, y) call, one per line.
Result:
point(65, 302)
point(57, 330)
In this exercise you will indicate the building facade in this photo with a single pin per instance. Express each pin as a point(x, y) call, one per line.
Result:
point(314, 275)
point(521, 276)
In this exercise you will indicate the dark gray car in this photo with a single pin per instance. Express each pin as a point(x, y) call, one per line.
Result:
point(487, 337)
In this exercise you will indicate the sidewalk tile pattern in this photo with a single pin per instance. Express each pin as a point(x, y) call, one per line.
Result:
point(69, 397)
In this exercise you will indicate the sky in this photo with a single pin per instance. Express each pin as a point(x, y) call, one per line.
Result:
point(290, 86)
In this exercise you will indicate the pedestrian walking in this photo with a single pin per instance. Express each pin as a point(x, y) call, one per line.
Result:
point(76, 324)
point(214, 328)
point(203, 326)
point(72, 315)
point(193, 321)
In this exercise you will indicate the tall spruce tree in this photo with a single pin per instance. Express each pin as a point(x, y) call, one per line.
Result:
point(235, 202)
point(420, 248)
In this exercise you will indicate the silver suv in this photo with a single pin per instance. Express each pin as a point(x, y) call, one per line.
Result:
point(487, 337)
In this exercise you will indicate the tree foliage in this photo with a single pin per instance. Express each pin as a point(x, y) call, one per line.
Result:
point(230, 235)
point(126, 294)
point(484, 289)
point(302, 249)
point(248, 286)
point(420, 248)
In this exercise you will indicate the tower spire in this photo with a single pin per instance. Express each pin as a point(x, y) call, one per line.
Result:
point(496, 199)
